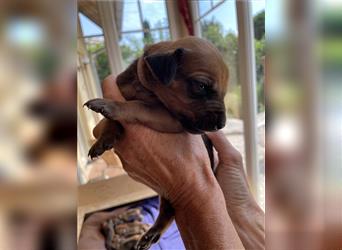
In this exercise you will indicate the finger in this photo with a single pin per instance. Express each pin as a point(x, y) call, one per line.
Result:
point(98, 218)
point(129, 243)
point(130, 229)
point(226, 151)
point(132, 214)
point(110, 89)
point(216, 160)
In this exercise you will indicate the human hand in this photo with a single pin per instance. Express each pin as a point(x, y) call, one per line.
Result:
point(247, 216)
point(177, 167)
point(122, 227)
point(174, 165)
point(230, 173)
point(91, 236)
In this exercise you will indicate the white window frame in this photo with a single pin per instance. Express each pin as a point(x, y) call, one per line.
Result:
point(88, 90)
point(111, 34)
point(106, 12)
point(247, 77)
point(175, 20)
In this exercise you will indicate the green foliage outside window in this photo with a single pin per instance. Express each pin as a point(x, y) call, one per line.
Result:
point(98, 53)
point(227, 43)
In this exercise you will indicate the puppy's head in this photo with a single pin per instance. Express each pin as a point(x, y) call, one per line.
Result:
point(190, 78)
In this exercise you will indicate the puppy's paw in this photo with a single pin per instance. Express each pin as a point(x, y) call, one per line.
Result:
point(150, 237)
point(100, 146)
point(107, 108)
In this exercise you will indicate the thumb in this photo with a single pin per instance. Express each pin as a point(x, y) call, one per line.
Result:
point(227, 153)
point(111, 90)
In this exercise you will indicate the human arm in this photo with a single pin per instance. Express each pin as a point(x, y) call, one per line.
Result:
point(178, 168)
point(248, 218)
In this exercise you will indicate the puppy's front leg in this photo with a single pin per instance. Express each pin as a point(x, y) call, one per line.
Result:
point(107, 133)
point(156, 118)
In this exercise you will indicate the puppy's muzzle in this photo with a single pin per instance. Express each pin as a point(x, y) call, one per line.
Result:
point(211, 116)
point(209, 121)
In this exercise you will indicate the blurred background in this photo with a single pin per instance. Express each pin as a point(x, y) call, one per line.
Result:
point(43, 85)
point(304, 124)
point(38, 126)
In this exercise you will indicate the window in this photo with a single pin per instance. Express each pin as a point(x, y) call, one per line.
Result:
point(258, 8)
point(95, 45)
point(138, 22)
point(141, 23)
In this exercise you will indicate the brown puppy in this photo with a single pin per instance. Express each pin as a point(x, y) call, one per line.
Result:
point(174, 87)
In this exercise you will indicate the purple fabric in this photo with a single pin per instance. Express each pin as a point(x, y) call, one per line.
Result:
point(171, 239)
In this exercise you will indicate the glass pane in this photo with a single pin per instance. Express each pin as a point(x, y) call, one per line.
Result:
point(98, 56)
point(131, 18)
point(161, 35)
point(154, 27)
point(132, 45)
point(258, 10)
point(154, 13)
point(216, 1)
point(203, 7)
point(259, 43)
point(89, 28)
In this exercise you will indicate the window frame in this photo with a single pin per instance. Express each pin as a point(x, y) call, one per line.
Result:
point(247, 76)
point(111, 34)
point(213, 7)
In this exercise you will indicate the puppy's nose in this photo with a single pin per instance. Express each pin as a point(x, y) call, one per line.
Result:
point(221, 121)
point(213, 121)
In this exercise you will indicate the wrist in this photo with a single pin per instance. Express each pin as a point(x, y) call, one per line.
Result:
point(203, 220)
point(246, 215)
point(250, 226)
point(234, 185)
point(193, 191)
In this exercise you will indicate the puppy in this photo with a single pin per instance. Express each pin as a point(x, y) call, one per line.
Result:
point(175, 86)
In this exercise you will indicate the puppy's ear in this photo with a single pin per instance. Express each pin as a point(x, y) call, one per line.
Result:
point(164, 66)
